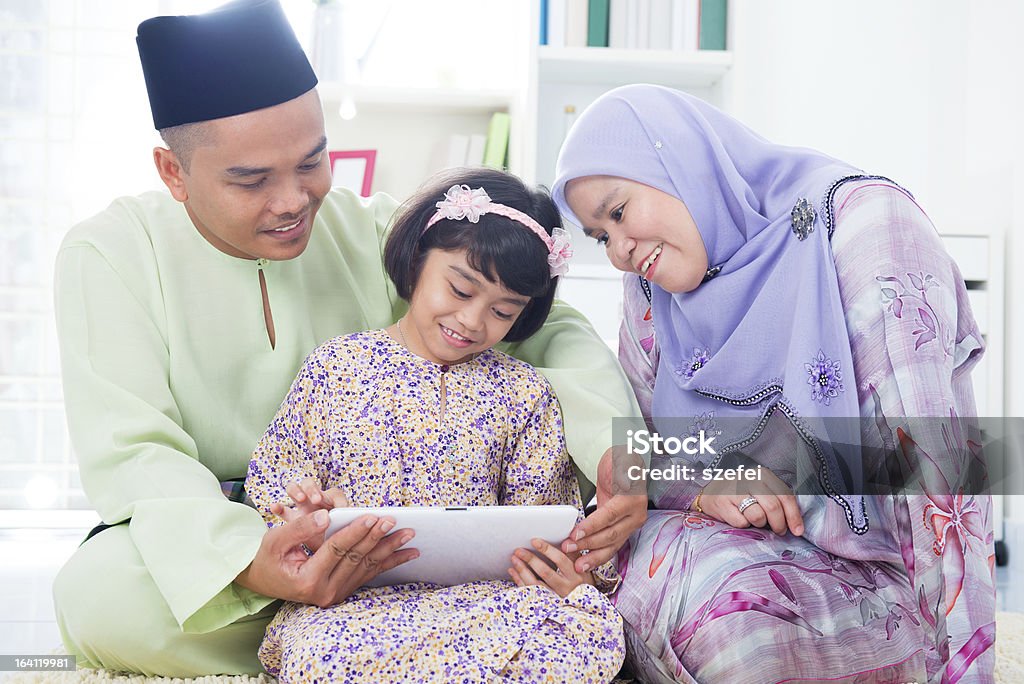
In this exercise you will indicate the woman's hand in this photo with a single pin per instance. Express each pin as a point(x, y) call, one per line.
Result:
point(621, 511)
point(346, 561)
point(530, 569)
point(775, 504)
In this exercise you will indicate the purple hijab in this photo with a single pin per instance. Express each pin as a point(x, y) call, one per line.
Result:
point(767, 332)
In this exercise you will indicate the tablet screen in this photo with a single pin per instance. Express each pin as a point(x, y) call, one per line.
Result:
point(464, 544)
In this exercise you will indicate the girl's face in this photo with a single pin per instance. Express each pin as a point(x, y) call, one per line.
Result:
point(455, 312)
point(644, 230)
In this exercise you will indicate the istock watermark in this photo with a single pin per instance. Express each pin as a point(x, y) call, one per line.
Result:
point(645, 442)
point(678, 473)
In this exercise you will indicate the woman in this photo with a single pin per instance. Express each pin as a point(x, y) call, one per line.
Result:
point(807, 317)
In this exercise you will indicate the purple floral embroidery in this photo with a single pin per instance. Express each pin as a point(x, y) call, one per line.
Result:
point(896, 295)
point(705, 423)
point(697, 361)
point(825, 378)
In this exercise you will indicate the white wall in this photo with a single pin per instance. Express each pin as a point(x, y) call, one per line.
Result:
point(919, 90)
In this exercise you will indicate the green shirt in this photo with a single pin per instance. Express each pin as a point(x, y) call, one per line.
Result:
point(170, 379)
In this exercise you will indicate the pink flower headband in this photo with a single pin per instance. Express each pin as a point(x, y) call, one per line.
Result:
point(462, 203)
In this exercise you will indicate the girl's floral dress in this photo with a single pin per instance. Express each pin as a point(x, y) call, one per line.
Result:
point(392, 429)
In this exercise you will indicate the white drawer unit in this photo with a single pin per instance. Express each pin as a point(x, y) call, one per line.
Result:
point(972, 255)
point(980, 258)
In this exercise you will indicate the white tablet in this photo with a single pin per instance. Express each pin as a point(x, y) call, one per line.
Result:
point(463, 544)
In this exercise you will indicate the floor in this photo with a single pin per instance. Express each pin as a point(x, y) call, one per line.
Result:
point(30, 558)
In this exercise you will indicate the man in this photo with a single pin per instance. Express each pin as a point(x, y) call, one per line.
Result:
point(182, 320)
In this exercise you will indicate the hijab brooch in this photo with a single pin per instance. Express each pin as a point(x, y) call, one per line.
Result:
point(802, 218)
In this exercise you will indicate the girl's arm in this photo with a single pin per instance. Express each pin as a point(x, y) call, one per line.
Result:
point(292, 449)
point(537, 471)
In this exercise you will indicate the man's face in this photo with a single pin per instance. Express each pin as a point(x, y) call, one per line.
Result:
point(254, 189)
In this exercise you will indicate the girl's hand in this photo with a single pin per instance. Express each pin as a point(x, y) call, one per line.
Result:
point(309, 498)
point(776, 505)
point(530, 569)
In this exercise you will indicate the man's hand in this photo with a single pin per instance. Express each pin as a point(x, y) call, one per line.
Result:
point(621, 511)
point(350, 558)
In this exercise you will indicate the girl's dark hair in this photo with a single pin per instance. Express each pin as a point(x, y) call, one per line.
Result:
point(501, 249)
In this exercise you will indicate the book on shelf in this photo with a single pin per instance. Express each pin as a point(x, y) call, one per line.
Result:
point(617, 20)
point(543, 22)
point(597, 23)
point(496, 148)
point(712, 24)
point(685, 25)
point(659, 31)
point(475, 150)
point(679, 25)
point(643, 24)
point(555, 22)
point(576, 16)
point(458, 147)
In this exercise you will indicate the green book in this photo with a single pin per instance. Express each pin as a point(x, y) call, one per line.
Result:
point(712, 24)
point(597, 23)
point(497, 140)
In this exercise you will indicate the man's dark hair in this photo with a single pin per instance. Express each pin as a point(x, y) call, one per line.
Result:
point(184, 139)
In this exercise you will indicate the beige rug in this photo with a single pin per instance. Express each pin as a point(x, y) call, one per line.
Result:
point(1009, 665)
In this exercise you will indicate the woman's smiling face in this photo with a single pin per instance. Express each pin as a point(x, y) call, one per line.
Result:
point(644, 230)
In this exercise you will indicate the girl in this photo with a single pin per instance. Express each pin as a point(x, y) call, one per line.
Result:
point(427, 413)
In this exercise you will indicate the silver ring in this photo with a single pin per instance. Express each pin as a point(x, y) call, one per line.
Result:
point(747, 503)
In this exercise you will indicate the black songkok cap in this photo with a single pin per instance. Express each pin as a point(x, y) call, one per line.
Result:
point(238, 58)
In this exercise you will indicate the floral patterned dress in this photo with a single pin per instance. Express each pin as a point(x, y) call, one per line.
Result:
point(913, 599)
point(392, 429)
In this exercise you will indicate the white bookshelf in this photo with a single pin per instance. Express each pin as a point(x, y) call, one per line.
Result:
point(561, 77)
point(410, 128)
point(414, 101)
point(601, 66)
point(576, 76)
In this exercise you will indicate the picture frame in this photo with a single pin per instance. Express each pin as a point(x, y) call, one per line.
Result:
point(353, 169)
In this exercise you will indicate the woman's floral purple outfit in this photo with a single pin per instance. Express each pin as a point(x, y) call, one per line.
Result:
point(913, 599)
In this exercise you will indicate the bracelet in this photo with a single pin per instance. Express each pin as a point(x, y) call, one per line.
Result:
point(696, 502)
